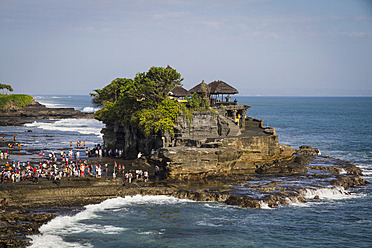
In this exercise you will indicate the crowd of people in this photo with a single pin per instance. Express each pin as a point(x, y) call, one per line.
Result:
point(17, 171)
point(14, 144)
point(55, 165)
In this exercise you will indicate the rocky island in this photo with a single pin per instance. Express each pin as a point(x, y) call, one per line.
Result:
point(206, 147)
point(20, 109)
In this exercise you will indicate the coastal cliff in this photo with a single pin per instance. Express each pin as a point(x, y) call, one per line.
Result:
point(208, 144)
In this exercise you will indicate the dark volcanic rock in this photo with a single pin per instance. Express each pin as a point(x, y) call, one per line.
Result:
point(16, 222)
point(307, 150)
point(301, 160)
point(348, 182)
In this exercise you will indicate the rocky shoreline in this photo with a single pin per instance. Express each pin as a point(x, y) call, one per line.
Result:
point(32, 205)
point(35, 110)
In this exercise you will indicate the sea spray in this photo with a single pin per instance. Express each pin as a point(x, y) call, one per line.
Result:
point(90, 109)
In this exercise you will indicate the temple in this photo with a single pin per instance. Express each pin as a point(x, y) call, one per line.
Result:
point(219, 95)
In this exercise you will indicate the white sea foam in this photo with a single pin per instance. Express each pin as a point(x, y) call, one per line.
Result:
point(331, 193)
point(54, 241)
point(206, 223)
point(64, 225)
point(83, 126)
point(367, 170)
point(151, 233)
point(323, 195)
point(50, 105)
point(264, 205)
point(90, 109)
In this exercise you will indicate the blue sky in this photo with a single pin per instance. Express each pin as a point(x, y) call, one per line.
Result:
point(267, 47)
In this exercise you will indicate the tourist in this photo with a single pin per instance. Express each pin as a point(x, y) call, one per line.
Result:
point(139, 155)
point(4, 204)
point(36, 176)
point(82, 170)
point(130, 176)
point(99, 171)
point(146, 176)
point(126, 177)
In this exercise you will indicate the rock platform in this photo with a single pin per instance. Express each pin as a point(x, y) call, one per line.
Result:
point(35, 110)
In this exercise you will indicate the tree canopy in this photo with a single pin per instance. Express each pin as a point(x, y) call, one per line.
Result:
point(142, 101)
point(6, 87)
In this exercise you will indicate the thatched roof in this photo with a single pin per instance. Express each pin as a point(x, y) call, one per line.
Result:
point(179, 91)
point(200, 88)
point(220, 87)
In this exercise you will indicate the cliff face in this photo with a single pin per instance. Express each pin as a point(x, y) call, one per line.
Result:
point(225, 156)
point(130, 139)
point(207, 144)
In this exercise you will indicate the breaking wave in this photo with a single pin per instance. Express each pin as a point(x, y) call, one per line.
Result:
point(90, 109)
point(83, 126)
point(50, 233)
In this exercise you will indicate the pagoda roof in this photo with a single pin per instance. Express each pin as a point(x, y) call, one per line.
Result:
point(179, 91)
point(200, 88)
point(220, 87)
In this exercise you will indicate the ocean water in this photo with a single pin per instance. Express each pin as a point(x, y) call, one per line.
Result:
point(339, 127)
point(55, 135)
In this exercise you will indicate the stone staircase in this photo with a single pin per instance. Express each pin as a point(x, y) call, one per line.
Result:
point(233, 128)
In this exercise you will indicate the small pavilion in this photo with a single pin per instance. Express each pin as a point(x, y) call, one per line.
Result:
point(219, 88)
point(201, 89)
point(179, 93)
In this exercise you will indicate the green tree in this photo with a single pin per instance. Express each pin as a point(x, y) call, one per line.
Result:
point(2, 87)
point(156, 84)
point(8, 88)
point(112, 91)
point(141, 102)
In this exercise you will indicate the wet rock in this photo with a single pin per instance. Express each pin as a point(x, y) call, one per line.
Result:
point(308, 151)
point(349, 181)
point(242, 201)
point(282, 169)
point(332, 169)
point(353, 170)
point(16, 224)
point(302, 160)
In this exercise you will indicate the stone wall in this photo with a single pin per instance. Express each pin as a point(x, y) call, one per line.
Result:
point(203, 124)
point(253, 123)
